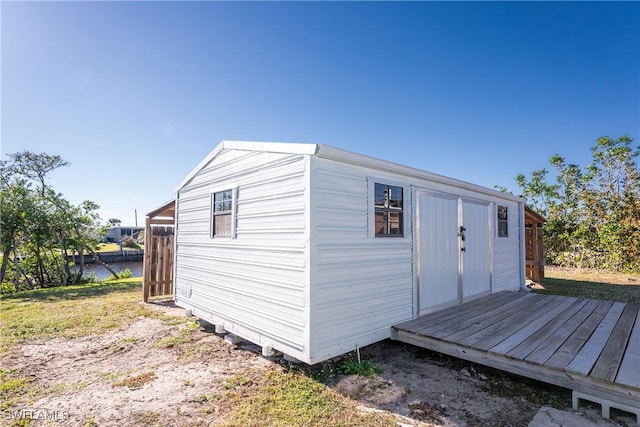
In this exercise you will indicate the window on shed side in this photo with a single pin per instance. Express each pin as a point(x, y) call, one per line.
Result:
point(503, 221)
point(388, 210)
point(221, 213)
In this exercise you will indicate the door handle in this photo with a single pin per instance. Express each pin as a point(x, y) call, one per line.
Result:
point(463, 249)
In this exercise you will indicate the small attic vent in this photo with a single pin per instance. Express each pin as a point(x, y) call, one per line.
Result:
point(186, 291)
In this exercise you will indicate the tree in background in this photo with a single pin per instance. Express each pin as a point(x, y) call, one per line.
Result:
point(40, 229)
point(593, 213)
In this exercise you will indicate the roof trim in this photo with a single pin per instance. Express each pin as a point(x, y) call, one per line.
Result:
point(332, 153)
point(164, 207)
point(533, 214)
point(268, 147)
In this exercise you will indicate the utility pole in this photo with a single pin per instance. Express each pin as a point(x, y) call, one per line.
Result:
point(135, 211)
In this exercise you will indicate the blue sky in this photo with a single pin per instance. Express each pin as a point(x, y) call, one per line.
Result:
point(135, 95)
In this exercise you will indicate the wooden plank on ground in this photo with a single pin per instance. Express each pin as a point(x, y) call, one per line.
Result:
point(493, 334)
point(629, 373)
point(527, 346)
point(583, 362)
point(505, 344)
point(572, 346)
point(561, 334)
point(606, 367)
point(461, 330)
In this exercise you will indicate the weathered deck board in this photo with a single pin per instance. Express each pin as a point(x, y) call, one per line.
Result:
point(460, 328)
point(510, 325)
point(474, 308)
point(522, 350)
point(506, 345)
point(560, 335)
point(589, 353)
point(629, 373)
point(590, 346)
point(572, 346)
point(607, 365)
point(445, 314)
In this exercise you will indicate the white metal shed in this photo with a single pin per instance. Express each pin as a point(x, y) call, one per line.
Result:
point(315, 251)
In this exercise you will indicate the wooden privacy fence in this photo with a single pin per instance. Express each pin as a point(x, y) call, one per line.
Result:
point(158, 271)
point(158, 253)
point(533, 245)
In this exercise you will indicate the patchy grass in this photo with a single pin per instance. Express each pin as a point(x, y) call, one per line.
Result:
point(247, 397)
point(293, 399)
point(70, 312)
point(108, 247)
point(591, 284)
point(237, 381)
point(12, 387)
point(182, 337)
point(114, 247)
point(136, 381)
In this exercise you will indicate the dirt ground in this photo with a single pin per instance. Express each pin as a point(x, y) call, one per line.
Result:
point(126, 378)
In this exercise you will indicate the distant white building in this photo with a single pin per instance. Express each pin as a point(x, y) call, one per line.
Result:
point(117, 233)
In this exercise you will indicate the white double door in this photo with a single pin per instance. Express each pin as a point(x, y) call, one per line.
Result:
point(454, 249)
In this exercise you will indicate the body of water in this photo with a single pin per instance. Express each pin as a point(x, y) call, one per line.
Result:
point(102, 273)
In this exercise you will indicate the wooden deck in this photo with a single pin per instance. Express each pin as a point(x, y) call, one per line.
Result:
point(589, 346)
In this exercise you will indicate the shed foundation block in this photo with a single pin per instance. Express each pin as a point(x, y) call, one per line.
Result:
point(233, 339)
point(605, 404)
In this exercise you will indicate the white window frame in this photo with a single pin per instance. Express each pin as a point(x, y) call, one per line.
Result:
point(234, 198)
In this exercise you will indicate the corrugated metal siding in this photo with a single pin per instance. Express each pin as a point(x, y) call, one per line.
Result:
point(476, 259)
point(253, 284)
point(506, 251)
point(439, 249)
point(361, 285)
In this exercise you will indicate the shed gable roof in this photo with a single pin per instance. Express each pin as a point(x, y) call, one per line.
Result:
point(267, 147)
point(343, 156)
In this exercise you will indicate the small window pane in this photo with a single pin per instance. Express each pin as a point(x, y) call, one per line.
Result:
point(222, 201)
point(222, 225)
point(502, 213)
point(395, 200)
point(381, 195)
point(381, 221)
point(395, 219)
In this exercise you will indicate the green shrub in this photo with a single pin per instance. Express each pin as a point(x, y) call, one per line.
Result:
point(124, 274)
point(7, 288)
point(364, 368)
